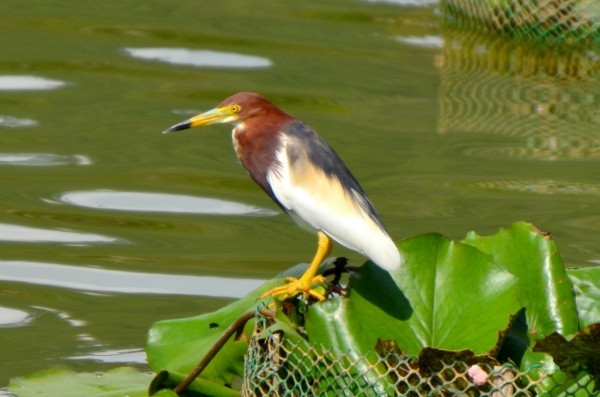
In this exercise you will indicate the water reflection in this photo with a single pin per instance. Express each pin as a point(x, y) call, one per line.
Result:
point(28, 83)
point(42, 159)
point(542, 187)
point(86, 338)
point(13, 318)
point(546, 98)
point(418, 3)
point(207, 58)
point(13, 122)
point(159, 202)
point(132, 356)
point(24, 234)
point(422, 41)
point(102, 280)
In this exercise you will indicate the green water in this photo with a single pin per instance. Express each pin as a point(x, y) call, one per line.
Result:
point(442, 138)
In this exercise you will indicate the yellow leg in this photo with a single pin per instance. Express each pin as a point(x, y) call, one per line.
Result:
point(302, 285)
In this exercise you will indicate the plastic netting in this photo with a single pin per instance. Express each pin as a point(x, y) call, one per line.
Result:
point(546, 98)
point(276, 366)
point(560, 20)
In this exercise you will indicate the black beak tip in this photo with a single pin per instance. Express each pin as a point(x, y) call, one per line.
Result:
point(178, 127)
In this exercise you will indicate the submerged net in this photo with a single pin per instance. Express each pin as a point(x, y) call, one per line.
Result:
point(276, 366)
point(544, 101)
point(560, 20)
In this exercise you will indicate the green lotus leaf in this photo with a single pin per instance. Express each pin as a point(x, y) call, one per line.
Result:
point(177, 346)
point(446, 295)
point(545, 290)
point(64, 383)
point(333, 327)
point(537, 365)
point(563, 385)
point(586, 283)
point(164, 382)
point(165, 393)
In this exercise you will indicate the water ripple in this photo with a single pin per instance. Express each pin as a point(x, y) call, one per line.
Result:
point(132, 356)
point(102, 280)
point(26, 234)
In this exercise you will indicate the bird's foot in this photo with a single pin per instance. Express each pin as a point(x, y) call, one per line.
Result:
point(296, 286)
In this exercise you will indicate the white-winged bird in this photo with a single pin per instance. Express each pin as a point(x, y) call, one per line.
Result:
point(306, 178)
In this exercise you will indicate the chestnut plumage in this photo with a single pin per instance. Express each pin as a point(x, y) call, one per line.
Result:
point(306, 178)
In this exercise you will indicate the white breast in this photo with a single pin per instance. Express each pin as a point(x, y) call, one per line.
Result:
point(319, 202)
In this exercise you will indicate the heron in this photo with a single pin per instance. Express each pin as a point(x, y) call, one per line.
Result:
point(306, 179)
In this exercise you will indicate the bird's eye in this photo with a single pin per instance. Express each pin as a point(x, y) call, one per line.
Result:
point(235, 108)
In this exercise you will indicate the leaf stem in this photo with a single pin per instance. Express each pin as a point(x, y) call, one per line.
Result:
point(235, 327)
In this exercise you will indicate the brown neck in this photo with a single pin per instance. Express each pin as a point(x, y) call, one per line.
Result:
point(256, 143)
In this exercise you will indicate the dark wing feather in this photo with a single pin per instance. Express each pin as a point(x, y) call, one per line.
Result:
point(326, 159)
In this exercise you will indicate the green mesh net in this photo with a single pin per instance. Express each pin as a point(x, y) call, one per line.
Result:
point(276, 366)
point(554, 20)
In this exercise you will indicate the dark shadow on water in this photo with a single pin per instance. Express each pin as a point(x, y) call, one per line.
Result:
point(516, 341)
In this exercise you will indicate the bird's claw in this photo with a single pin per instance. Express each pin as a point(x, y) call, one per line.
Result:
point(296, 286)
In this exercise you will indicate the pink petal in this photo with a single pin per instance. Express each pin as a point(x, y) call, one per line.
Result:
point(478, 375)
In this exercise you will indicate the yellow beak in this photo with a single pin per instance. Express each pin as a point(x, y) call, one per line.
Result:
point(218, 115)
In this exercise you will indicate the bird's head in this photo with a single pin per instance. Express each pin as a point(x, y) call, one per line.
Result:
point(234, 110)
